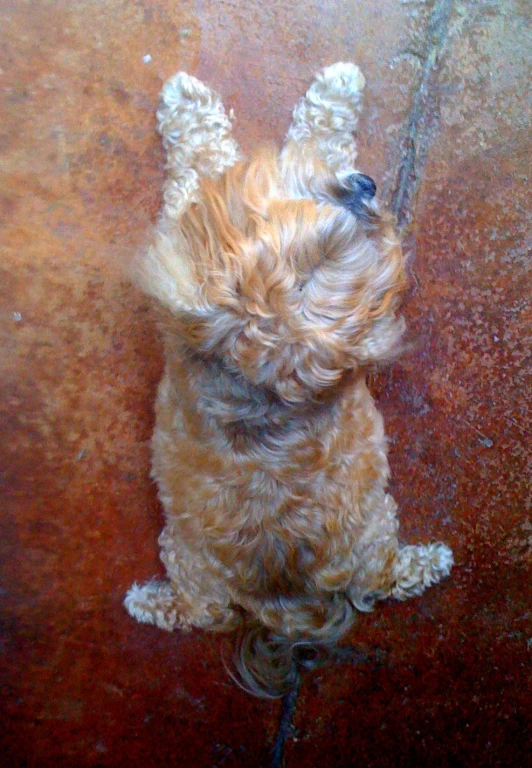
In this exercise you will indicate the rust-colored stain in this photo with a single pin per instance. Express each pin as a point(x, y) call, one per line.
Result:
point(442, 680)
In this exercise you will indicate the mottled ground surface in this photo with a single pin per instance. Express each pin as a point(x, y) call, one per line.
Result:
point(443, 680)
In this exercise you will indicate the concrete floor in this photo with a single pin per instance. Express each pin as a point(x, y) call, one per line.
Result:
point(443, 680)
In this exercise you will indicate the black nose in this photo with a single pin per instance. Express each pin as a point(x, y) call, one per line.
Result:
point(355, 193)
point(365, 185)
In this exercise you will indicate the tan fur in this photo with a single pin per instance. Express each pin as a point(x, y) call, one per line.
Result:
point(269, 453)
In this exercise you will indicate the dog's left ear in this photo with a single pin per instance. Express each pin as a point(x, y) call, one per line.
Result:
point(355, 192)
point(166, 272)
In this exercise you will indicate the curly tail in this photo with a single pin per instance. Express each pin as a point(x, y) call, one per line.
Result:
point(270, 664)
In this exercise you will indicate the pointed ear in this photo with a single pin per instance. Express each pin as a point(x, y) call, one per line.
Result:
point(355, 291)
point(166, 272)
point(193, 266)
point(382, 341)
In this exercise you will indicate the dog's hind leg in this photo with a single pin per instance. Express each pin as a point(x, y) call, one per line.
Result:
point(401, 572)
point(388, 569)
point(192, 596)
point(196, 133)
point(325, 118)
point(157, 602)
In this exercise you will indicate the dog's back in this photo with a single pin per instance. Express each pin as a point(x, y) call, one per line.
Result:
point(277, 281)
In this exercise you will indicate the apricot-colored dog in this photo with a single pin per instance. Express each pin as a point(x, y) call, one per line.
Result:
point(278, 281)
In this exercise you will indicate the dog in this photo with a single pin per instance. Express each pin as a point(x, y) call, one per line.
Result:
point(277, 280)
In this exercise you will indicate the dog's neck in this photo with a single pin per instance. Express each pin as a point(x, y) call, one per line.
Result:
point(246, 414)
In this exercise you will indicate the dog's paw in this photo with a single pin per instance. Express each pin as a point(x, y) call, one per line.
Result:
point(152, 603)
point(419, 566)
point(441, 560)
point(183, 89)
point(328, 113)
point(183, 96)
point(196, 133)
point(343, 78)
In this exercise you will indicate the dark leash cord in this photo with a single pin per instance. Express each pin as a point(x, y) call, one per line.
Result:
point(287, 713)
point(343, 655)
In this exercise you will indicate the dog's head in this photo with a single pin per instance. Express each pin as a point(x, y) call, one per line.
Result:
point(285, 273)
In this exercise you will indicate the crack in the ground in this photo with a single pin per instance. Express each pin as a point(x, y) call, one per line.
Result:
point(416, 140)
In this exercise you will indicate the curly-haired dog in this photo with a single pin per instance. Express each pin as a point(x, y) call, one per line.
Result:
point(278, 281)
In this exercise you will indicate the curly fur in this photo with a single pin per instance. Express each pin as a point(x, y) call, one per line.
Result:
point(268, 452)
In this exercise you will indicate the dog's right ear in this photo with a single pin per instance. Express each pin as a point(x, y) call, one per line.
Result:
point(354, 293)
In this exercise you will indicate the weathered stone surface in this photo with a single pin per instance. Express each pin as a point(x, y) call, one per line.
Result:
point(448, 101)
